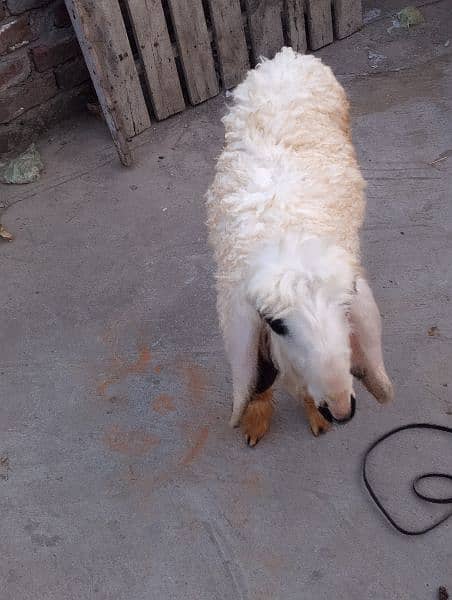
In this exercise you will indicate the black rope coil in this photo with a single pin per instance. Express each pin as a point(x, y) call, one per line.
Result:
point(417, 480)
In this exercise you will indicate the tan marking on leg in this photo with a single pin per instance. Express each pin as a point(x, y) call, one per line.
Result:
point(317, 422)
point(257, 417)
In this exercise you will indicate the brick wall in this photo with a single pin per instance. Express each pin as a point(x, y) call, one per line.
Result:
point(43, 77)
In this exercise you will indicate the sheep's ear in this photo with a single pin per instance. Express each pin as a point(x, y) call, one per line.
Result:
point(277, 325)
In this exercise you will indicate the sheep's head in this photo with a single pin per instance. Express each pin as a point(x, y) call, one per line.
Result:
point(302, 290)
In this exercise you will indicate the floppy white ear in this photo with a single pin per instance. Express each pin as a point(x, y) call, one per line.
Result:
point(241, 327)
point(365, 339)
point(248, 350)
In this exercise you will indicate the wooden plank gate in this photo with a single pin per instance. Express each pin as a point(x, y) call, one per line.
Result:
point(151, 57)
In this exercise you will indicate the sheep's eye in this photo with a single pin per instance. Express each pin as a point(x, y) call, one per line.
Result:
point(278, 326)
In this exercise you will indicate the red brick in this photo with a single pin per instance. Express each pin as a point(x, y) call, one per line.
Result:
point(14, 32)
point(71, 74)
point(32, 92)
point(14, 68)
point(61, 16)
point(19, 6)
point(55, 50)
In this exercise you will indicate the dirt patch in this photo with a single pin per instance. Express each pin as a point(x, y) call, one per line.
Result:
point(443, 594)
point(40, 539)
point(433, 331)
point(4, 467)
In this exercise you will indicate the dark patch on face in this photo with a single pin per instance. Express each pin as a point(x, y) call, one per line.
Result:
point(278, 326)
point(266, 370)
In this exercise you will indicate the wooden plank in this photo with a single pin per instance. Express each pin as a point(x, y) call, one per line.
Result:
point(320, 23)
point(153, 41)
point(230, 40)
point(265, 25)
point(348, 17)
point(295, 25)
point(103, 39)
point(195, 53)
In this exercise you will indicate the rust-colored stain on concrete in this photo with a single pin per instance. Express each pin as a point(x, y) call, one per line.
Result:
point(148, 483)
point(196, 447)
point(196, 381)
point(102, 387)
point(133, 442)
point(142, 362)
point(4, 467)
point(253, 482)
point(131, 475)
point(273, 563)
point(120, 369)
point(138, 442)
point(163, 404)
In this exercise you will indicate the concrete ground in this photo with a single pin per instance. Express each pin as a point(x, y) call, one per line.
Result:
point(120, 478)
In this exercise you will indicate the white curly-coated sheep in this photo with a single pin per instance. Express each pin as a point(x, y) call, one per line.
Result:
point(284, 213)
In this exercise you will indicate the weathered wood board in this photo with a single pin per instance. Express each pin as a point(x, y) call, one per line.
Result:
point(295, 25)
point(265, 26)
point(103, 39)
point(230, 40)
point(348, 17)
point(195, 52)
point(320, 23)
point(156, 52)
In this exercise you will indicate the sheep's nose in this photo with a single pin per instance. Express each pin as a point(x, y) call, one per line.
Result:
point(352, 412)
point(326, 413)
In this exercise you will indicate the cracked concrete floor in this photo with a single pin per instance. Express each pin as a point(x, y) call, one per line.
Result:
point(121, 478)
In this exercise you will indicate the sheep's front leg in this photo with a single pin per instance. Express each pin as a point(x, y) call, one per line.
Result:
point(317, 422)
point(241, 327)
point(257, 417)
point(365, 339)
